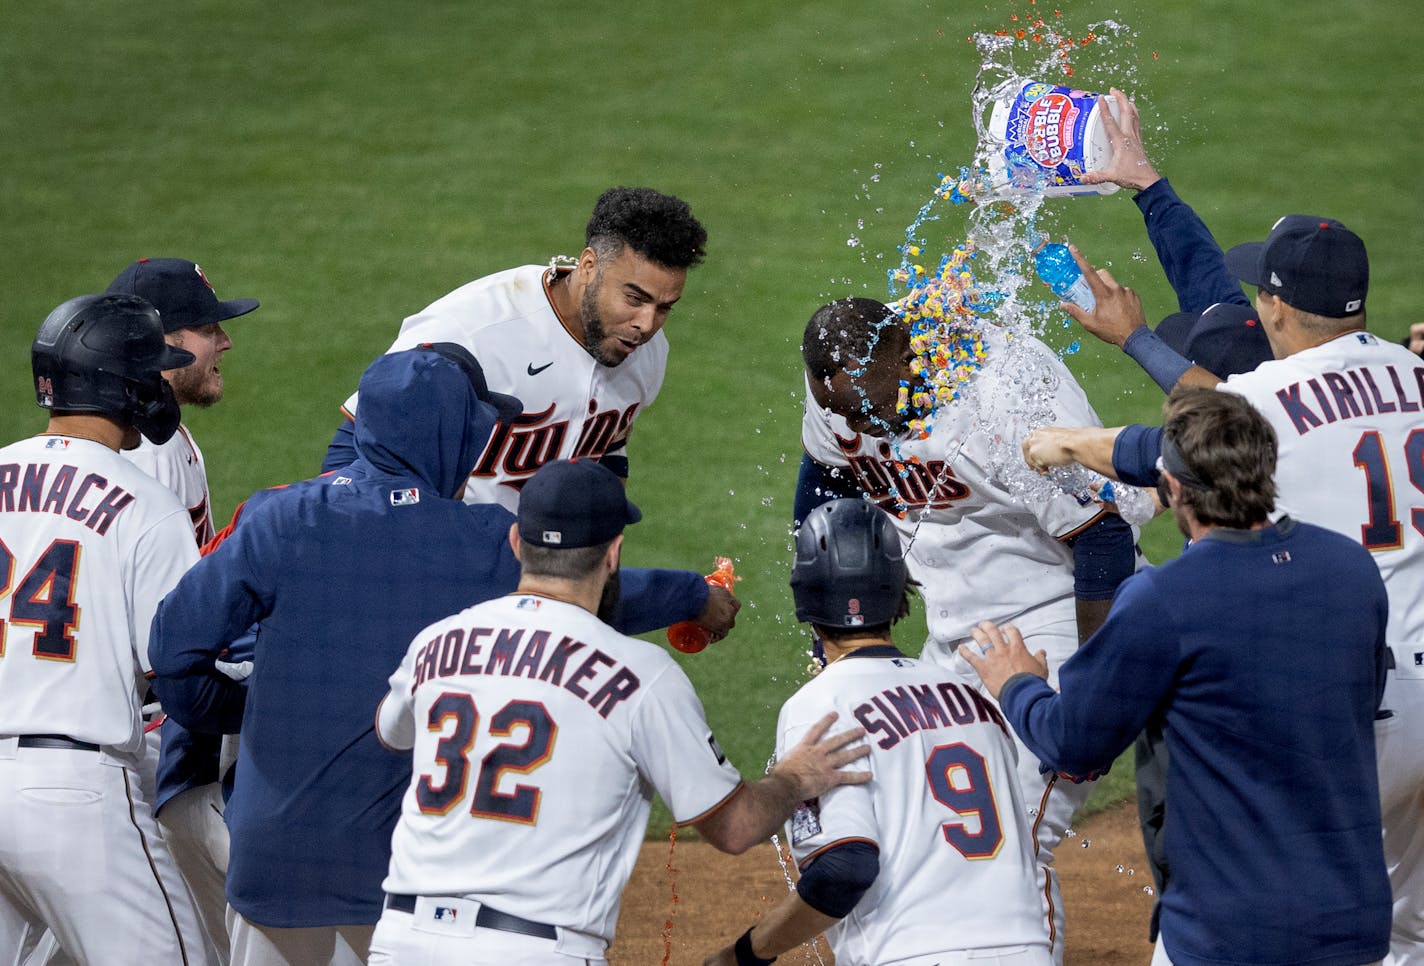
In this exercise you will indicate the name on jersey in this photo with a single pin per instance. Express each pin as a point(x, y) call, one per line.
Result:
point(32, 489)
point(515, 450)
point(1333, 396)
point(897, 713)
point(894, 484)
point(588, 674)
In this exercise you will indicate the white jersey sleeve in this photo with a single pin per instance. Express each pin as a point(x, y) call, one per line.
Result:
point(178, 464)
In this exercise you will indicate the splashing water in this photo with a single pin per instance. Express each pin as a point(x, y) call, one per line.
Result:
point(987, 280)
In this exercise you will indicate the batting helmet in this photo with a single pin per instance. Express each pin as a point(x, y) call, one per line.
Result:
point(104, 354)
point(849, 569)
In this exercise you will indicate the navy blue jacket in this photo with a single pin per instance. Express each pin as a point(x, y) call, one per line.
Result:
point(1264, 653)
point(340, 572)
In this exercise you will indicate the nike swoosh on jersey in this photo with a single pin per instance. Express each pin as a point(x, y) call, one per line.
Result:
point(534, 372)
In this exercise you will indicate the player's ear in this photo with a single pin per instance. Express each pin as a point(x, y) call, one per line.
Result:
point(514, 539)
point(615, 554)
point(588, 263)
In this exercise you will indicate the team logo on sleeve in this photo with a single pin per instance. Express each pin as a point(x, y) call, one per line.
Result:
point(806, 821)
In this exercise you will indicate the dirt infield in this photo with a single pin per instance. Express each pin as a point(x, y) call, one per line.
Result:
point(687, 899)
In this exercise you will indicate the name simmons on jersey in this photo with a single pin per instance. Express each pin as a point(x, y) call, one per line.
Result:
point(515, 450)
point(896, 713)
point(91, 501)
point(1349, 394)
point(593, 676)
point(896, 485)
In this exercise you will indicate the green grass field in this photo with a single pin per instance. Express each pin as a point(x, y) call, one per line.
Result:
point(348, 163)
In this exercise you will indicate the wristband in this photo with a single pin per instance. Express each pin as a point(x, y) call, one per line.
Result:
point(1159, 360)
point(743, 951)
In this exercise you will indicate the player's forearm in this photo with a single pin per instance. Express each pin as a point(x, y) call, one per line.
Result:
point(753, 814)
point(787, 926)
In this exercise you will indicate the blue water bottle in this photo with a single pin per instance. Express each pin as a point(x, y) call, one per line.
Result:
point(1060, 273)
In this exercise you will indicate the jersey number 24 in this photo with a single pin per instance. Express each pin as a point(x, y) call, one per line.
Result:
point(43, 599)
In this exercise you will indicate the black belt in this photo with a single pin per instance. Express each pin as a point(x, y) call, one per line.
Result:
point(486, 918)
point(56, 741)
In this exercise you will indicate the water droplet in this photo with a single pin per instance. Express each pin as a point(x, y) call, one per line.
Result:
point(852, 242)
point(1148, 890)
point(1119, 870)
point(1131, 872)
point(1069, 833)
point(1087, 842)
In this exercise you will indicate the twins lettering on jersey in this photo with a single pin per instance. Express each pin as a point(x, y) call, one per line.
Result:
point(1362, 391)
point(897, 713)
point(896, 485)
point(598, 680)
point(515, 450)
point(30, 489)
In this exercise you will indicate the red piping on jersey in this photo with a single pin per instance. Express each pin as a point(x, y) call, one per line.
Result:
point(715, 808)
point(1047, 873)
point(1064, 538)
point(548, 279)
point(801, 866)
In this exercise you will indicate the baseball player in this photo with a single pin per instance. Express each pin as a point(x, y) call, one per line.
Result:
point(539, 736)
point(1346, 407)
point(193, 318)
point(186, 796)
point(1263, 650)
point(943, 826)
point(88, 545)
point(977, 538)
point(581, 346)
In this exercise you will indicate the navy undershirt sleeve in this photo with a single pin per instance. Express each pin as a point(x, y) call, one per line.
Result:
point(1103, 557)
point(1135, 454)
point(839, 876)
point(817, 483)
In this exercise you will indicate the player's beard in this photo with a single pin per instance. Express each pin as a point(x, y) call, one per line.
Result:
point(612, 593)
point(192, 387)
point(593, 331)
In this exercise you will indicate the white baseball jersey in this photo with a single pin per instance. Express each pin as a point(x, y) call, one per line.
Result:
point(573, 406)
point(540, 735)
point(1349, 422)
point(89, 544)
point(178, 464)
point(957, 866)
point(983, 532)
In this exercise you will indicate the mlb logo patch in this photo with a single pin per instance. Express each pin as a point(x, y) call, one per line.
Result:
point(553, 537)
point(528, 603)
point(1281, 557)
point(341, 481)
point(408, 497)
point(446, 914)
point(806, 821)
point(57, 443)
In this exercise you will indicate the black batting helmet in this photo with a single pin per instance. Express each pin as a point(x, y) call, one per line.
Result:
point(849, 569)
point(104, 354)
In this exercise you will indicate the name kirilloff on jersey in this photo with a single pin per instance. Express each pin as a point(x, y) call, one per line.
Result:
point(515, 450)
point(897, 485)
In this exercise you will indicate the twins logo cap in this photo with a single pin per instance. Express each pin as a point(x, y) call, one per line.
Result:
point(1226, 339)
point(574, 503)
point(1314, 264)
point(180, 291)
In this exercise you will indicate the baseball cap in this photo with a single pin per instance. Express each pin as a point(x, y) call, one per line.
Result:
point(1315, 264)
point(1226, 339)
point(574, 503)
point(507, 407)
point(180, 291)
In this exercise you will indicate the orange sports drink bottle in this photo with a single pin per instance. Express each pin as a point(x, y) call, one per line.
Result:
point(689, 637)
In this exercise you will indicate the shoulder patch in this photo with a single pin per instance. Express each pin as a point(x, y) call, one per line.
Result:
point(806, 821)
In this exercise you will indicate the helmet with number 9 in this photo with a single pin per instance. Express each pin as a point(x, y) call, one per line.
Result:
point(849, 569)
point(105, 354)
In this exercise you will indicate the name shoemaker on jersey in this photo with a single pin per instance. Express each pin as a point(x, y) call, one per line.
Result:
point(897, 713)
point(509, 652)
point(35, 497)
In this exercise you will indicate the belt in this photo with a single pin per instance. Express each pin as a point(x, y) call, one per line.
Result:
point(486, 918)
point(56, 741)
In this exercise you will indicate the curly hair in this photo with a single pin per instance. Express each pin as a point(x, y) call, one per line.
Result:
point(659, 227)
